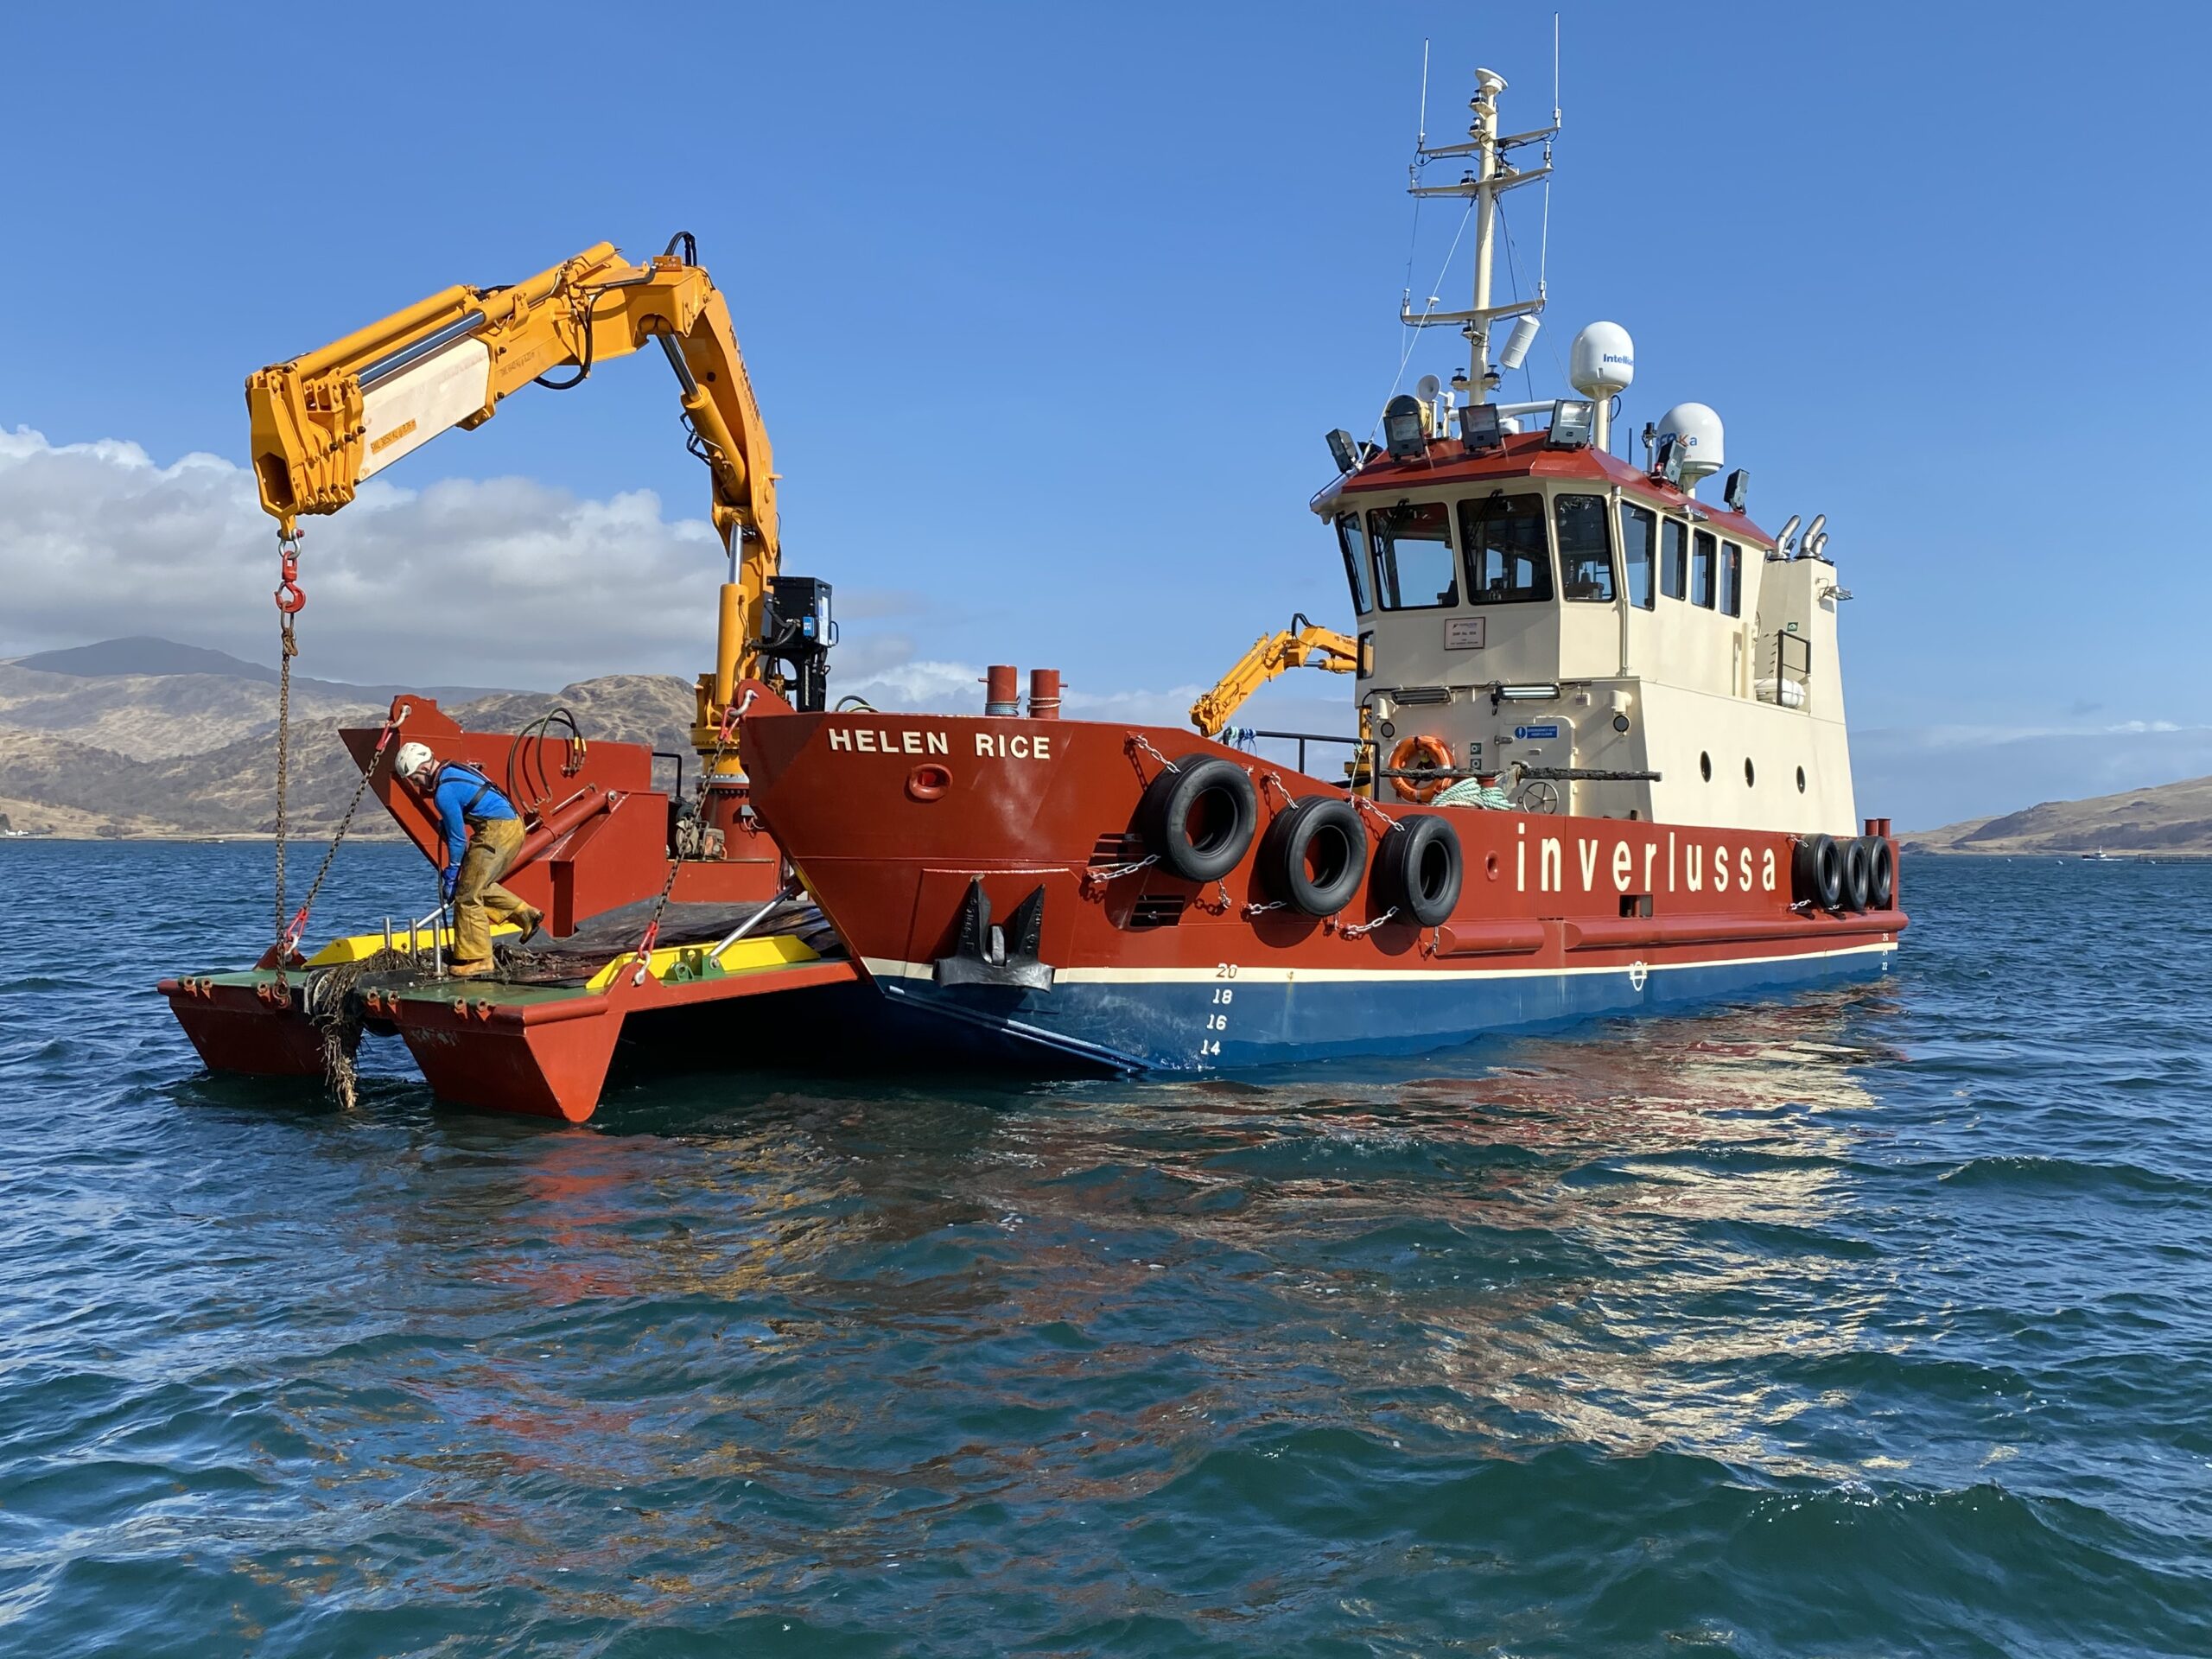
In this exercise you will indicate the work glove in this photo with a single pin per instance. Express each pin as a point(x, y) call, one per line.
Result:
point(452, 880)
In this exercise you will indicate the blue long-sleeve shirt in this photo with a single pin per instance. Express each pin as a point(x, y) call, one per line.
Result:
point(456, 786)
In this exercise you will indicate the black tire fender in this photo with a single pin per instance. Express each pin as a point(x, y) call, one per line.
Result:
point(1858, 878)
point(1324, 832)
point(1419, 869)
point(1816, 872)
point(1881, 874)
point(1200, 817)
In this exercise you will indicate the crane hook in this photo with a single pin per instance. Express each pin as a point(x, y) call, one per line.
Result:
point(290, 596)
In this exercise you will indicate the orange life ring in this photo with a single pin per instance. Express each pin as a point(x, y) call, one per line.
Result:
point(1438, 755)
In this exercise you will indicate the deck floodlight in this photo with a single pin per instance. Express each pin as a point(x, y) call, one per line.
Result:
point(1575, 421)
point(1666, 461)
point(1405, 432)
point(1343, 451)
point(1481, 429)
point(1737, 491)
point(1545, 693)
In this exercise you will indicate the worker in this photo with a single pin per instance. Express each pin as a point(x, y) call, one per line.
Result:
point(483, 833)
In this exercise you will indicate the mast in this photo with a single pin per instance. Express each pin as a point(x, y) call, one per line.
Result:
point(1487, 179)
point(1483, 129)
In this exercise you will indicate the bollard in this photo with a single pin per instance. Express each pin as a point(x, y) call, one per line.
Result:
point(1003, 690)
point(1044, 693)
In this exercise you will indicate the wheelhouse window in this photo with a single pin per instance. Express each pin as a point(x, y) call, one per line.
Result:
point(1354, 542)
point(1586, 554)
point(1412, 555)
point(1509, 557)
point(1703, 551)
point(1640, 553)
point(1673, 558)
point(1732, 579)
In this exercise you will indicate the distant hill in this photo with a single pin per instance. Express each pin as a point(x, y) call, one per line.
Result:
point(142, 655)
point(105, 745)
point(2172, 818)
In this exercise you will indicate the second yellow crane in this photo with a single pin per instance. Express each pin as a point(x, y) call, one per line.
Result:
point(1302, 645)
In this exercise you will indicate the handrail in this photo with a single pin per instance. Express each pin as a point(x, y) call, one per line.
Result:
point(1303, 738)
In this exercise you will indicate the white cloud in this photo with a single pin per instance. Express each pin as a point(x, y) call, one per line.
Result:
point(504, 580)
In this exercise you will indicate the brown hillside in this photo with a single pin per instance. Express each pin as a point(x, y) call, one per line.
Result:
point(228, 788)
point(2169, 818)
point(149, 717)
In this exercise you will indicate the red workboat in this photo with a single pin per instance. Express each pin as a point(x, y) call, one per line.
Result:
point(1601, 764)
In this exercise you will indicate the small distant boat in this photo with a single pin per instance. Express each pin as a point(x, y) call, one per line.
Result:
point(2100, 856)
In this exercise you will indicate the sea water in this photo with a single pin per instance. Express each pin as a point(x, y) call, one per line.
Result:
point(1878, 1321)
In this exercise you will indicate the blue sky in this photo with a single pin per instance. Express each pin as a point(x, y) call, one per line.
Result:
point(1049, 308)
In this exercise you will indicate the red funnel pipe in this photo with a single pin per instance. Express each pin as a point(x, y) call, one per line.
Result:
point(1044, 693)
point(1001, 690)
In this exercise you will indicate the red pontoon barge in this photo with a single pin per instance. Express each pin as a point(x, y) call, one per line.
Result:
point(609, 855)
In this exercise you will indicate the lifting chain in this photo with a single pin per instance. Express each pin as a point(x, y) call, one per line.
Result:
point(290, 597)
point(290, 939)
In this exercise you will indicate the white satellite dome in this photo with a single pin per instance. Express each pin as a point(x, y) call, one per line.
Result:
point(1699, 441)
point(1602, 360)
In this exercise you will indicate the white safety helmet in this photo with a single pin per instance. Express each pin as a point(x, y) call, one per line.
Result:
point(411, 759)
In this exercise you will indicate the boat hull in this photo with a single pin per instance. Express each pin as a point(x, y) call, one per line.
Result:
point(1180, 1020)
point(928, 838)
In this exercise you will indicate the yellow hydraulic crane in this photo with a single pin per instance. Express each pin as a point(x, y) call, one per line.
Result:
point(1302, 645)
point(324, 421)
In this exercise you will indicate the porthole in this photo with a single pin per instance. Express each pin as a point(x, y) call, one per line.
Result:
point(1705, 765)
point(1800, 780)
point(1751, 778)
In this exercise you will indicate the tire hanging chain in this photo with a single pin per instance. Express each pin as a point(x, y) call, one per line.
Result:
point(725, 739)
point(1375, 812)
point(1361, 930)
point(290, 598)
point(1138, 740)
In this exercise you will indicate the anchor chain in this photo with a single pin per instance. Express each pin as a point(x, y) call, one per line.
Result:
point(725, 736)
point(290, 939)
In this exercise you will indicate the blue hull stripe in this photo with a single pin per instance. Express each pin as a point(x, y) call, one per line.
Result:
point(1205, 1020)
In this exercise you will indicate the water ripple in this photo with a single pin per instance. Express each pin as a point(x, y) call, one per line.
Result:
point(1869, 1323)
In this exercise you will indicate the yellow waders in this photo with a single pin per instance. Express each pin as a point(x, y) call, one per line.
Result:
point(478, 897)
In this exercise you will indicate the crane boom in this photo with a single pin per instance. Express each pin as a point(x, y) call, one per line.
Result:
point(323, 423)
point(1271, 656)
